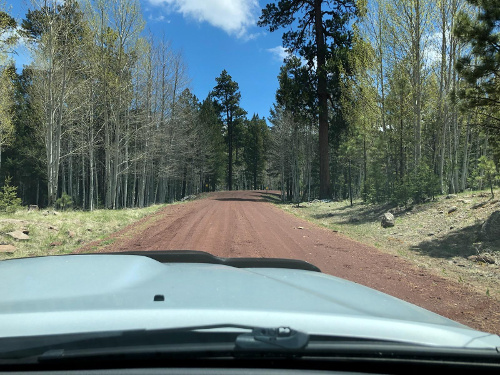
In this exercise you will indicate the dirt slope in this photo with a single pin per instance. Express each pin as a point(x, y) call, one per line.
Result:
point(243, 224)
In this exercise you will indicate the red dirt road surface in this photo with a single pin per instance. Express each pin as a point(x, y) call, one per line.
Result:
point(244, 224)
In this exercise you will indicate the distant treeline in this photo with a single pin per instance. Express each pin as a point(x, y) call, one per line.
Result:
point(411, 89)
point(103, 114)
point(389, 100)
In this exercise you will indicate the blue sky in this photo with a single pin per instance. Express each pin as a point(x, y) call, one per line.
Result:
point(212, 35)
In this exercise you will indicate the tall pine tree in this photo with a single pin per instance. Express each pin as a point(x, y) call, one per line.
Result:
point(320, 28)
point(227, 99)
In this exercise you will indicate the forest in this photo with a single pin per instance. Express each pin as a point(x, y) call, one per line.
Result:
point(385, 101)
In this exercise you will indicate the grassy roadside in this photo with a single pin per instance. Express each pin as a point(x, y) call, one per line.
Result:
point(62, 232)
point(428, 234)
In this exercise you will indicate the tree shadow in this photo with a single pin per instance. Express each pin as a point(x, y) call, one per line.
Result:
point(273, 198)
point(457, 243)
point(259, 197)
point(239, 199)
point(360, 214)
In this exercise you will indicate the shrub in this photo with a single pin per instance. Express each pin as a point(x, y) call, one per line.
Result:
point(425, 184)
point(487, 172)
point(65, 202)
point(416, 187)
point(9, 201)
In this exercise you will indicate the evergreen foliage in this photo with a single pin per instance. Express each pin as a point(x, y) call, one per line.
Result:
point(319, 31)
point(480, 67)
point(227, 97)
point(487, 173)
point(9, 201)
point(65, 202)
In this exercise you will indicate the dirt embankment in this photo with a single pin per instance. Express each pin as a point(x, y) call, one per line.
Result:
point(244, 224)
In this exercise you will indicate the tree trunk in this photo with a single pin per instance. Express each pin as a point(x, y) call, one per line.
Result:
point(230, 154)
point(417, 85)
point(322, 93)
point(350, 182)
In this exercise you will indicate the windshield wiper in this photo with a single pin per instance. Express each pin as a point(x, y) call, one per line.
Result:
point(194, 339)
point(272, 338)
point(222, 341)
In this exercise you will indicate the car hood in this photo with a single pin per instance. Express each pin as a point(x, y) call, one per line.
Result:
point(89, 293)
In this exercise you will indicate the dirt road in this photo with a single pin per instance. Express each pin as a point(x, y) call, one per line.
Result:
point(243, 224)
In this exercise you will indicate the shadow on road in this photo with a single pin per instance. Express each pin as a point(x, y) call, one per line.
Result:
point(252, 197)
point(239, 199)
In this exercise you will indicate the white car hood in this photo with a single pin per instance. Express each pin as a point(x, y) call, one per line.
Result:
point(89, 293)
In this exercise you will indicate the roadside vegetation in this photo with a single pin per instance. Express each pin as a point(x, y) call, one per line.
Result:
point(445, 235)
point(48, 232)
point(104, 114)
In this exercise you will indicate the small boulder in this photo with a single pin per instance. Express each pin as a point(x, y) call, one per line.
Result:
point(387, 220)
point(7, 248)
point(451, 196)
point(19, 235)
point(452, 209)
point(32, 207)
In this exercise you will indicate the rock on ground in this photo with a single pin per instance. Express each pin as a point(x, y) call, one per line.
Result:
point(387, 220)
point(19, 235)
point(7, 248)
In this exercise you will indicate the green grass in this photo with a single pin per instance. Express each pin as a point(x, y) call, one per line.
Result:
point(65, 232)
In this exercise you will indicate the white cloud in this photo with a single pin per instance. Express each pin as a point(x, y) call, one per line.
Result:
point(159, 18)
point(232, 16)
point(279, 52)
point(432, 48)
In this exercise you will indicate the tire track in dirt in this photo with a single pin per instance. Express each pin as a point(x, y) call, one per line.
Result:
point(243, 224)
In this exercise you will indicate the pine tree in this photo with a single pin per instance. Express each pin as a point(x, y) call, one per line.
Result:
point(321, 28)
point(257, 135)
point(481, 66)
point(227, 99)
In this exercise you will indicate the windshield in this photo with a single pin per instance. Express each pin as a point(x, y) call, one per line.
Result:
point(358, 140)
